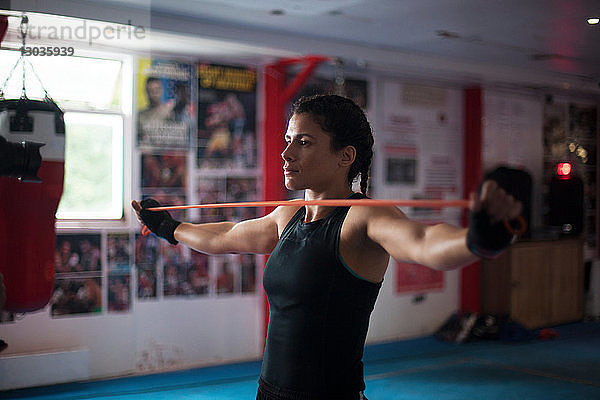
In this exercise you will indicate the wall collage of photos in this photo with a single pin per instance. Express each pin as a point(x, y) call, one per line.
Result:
point(196, 142)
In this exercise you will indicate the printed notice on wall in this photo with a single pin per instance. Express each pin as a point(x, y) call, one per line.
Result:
point(420, 156)
point(421, 147)
point(412, 278)
point(512, 136)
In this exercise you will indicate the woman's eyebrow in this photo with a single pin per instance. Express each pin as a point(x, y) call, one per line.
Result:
point(299, 136)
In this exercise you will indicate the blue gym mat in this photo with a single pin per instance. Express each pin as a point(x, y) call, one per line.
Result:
point(567, 367)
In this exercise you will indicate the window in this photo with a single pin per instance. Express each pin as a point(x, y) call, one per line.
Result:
point(93, 187)
point(91, 93)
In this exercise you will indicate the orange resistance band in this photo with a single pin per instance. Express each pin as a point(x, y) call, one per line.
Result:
point(344, 203)
point(330, 203)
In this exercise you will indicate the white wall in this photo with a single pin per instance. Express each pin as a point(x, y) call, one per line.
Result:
point(153, 336)
point(398, 316)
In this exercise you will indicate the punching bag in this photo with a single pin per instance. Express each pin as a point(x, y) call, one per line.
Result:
point(566, 201)
point(32, 153)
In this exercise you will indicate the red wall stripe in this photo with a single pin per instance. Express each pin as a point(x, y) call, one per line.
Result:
point(277, 94)
point(473, 172)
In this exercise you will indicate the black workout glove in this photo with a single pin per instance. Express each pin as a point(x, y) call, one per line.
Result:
point(159, 222)
point(484, 238)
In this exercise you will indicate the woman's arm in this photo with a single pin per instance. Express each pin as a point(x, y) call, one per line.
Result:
point(257, 235)
point(440, 246)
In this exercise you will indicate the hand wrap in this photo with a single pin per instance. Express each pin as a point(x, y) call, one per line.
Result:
point(484, 238)
point(159, 222)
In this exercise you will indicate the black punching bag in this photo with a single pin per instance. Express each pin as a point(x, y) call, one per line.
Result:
point(566, 204)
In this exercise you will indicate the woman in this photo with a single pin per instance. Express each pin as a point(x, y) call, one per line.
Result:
point(326, 264)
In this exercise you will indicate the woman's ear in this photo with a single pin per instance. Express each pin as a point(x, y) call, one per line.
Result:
point(348, 155)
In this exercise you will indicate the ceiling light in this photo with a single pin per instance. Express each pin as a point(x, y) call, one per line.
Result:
point(593, 21)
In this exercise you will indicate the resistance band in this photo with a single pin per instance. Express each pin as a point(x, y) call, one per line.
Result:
point(344, 203)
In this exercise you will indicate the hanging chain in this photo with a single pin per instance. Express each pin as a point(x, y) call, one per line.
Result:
point(47, 96)
point(24, 31)
point(3, 88)
point(24, 28)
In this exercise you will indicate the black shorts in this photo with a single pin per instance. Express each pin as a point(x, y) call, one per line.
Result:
point(267, 391)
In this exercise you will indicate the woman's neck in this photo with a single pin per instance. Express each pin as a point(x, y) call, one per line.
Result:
point(314, 213)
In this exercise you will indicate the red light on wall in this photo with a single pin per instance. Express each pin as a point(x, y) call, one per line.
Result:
point(563, 170)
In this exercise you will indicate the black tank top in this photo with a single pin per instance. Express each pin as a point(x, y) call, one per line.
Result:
point(319, 310)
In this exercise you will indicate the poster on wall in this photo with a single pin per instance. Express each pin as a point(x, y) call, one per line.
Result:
point(211, 190)
point(166, 110)
point(234, 274)
point(164, 178)
point(241, 189)
point(226, 117)
point(199, 273)
point(146, 260)
point(175, 270)
point(248, 272)
point(419, 147)
point(399, 144)
point(226, 272)
point(175, 280)
point(166, 171)
point(78, 279)
point(419, 156)
point(227, 189)
point(512, 137)
point(415, 278)
point(119, 272)
point(512, 132)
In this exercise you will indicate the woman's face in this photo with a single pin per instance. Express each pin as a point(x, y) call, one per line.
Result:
point(309, 161)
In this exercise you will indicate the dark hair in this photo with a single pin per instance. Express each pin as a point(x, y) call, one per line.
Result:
point(151, 79)
point(347, 124)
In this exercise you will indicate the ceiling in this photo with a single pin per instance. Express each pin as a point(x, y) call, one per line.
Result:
point(534, 37)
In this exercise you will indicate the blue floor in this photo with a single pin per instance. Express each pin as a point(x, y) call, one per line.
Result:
point(564, 368)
